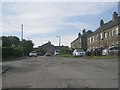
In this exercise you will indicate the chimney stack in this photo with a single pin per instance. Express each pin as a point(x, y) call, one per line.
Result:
point(101, 22)
point(79, 34)
point(84, 31)
point(114, 16)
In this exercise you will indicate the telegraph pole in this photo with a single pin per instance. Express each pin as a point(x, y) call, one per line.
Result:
point(59, 40)
point(22, 39)
point(21, 32)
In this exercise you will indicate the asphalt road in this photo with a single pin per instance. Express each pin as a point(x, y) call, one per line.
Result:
point(60, 72)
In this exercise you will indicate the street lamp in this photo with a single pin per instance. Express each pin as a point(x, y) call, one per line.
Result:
point(59, 40)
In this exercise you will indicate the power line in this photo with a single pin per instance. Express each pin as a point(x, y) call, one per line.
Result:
point(10, 23)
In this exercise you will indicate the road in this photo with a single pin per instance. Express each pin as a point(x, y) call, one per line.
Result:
point(61, 72)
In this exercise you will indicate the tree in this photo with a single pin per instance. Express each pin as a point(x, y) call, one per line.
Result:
point(41, 51)
point(27, 46)
point(5, 41)
point(64, 51)
point(10, 41)
point(14, 40)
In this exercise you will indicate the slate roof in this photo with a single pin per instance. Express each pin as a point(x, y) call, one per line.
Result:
point(107, 26)
point(85, 34)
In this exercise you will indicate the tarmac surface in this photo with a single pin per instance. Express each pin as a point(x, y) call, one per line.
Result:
point(61, 72)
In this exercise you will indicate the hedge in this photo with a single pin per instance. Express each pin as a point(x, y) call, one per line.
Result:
point(10, 52)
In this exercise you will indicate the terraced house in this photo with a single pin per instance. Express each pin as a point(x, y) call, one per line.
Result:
point(106, 35)
point(81, 41)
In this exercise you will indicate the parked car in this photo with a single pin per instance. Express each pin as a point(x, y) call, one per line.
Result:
point(78, 52)
point(47, 54)
point(33, 54)
point(111, 50)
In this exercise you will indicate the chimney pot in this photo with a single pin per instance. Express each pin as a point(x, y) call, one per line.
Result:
point(101, 22)
point(84, 31)
point(79, 34)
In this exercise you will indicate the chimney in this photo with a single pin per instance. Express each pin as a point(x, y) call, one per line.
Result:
point(84, 31)
point(101, 22)
point(79, 34)
point(49, 42)
point(114, 16)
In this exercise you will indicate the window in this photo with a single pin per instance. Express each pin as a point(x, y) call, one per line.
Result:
point(80, 40)
point(116, 30)
point(110, 33)
point(106, 35)
point(113, 32)
point(97, 38)
point(90, 39)
point(93, 39)
point(101, 36)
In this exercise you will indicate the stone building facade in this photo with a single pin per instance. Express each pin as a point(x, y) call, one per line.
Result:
point(81, 41)
point(106, 35)
point(48, 47)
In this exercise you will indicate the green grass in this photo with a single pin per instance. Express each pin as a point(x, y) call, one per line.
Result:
point(91, 57)
point(66, 55)
point(104, 57)
point(101, 57)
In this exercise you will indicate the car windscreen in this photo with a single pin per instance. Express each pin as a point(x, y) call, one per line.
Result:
point(115, 48)
point(79, 50)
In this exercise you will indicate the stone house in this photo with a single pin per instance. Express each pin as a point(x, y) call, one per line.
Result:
point(106, 35)
point(48, 47)
point(81, 41)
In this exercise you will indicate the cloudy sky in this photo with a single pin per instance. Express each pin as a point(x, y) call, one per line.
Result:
point(43, 21)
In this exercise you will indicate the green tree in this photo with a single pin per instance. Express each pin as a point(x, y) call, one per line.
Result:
point(41, 51)
point(27, 46)
point(64, 51)
point(10, 41)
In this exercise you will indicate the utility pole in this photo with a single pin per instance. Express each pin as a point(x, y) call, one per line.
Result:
point(22, 39)
point(59, 40)
point(21, 32)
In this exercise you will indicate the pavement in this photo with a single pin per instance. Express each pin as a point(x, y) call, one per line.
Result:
point(5, 68)
point(60, 72)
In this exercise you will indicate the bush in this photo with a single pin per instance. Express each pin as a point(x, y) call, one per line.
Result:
point(88, 53)
point(10, 52)
point(64, 51)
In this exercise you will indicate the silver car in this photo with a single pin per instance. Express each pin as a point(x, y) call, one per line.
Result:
point(78, 52)
point(111, 50)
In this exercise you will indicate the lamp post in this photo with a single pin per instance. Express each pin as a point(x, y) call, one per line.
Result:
point(59, 40)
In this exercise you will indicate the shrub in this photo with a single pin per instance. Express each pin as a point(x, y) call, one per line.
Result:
point(10, 52)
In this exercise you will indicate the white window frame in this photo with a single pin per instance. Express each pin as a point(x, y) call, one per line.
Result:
point(90, 39)
point(106, 34)
point(80, 40)
point(116, 29)
point(113, 30)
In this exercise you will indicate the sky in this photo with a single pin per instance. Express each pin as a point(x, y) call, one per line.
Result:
point(44, 21)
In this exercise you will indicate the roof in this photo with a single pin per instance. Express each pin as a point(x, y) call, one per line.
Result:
point(75, 39)
point(85, 34)
point(107, 26)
